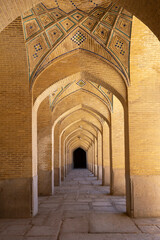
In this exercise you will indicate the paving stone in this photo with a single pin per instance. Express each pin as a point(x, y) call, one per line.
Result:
point(85, 200)
point(101, 203)
point(147, 221)
point(41, 238)
point(41, 231)
point(9, 237)
point(81, 209)
point(75, 214)
point(16, 230)
point(111, 222)
point(75, 225)
point(140, 236)
point(149, 229)
point(56, 223)
point(2, 226)
point(105, 209)
point(79, 236)
point(75, 207)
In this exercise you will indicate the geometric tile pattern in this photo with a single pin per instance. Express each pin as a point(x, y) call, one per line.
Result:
point(78, 38)
point(98, 13)
point(54, 97)
point(105, 92)
point(120, 47)
point(102, 32)
point(109, 18)
point(81, 83)
point(89, 23)
point(124, 26)
point(54, 34)
point(47, 24)
point(67, 23)
point(46, 20)
point(60, 93)
point(77, 16)
point(57, 14)
point(31, 27)
point(39, 9)
point(115, 8)
point(36, 48)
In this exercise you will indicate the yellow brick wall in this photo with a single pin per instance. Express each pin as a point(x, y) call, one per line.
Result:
point(15, 105)
point(44, 136)
point(117, 129)
point(144, 102)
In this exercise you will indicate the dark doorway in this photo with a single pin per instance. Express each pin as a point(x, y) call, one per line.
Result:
point(79, 158)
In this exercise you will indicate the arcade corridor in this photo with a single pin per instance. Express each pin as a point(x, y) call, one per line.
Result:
point(80, 120)
point(81, 209)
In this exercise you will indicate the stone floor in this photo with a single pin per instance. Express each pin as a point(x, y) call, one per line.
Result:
point(81, 209)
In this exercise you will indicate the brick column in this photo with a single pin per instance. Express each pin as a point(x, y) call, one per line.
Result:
point(100, 154)
point(144, 124)
point(16, 176)
point(118, 150)
point(57, 164)
point(95, 159)
point(106, 155)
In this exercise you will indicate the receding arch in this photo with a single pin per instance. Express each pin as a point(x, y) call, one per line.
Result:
point(77, 99)
point(105, 75)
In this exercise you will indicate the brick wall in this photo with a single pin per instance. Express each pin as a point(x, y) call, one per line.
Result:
point(144, 102)
point(15, 105)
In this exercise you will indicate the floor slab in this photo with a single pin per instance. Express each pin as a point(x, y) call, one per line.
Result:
point(81, 209)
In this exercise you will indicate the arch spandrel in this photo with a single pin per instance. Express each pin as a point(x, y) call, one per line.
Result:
point(104, 75)
point(80, 86)
point(85, 141)
point(79, 132)
point(96, 124)
point(79, 144)
point(81, 114)
point(77, 98)
point(78, 136)
point(73, 148)
point(81, 125)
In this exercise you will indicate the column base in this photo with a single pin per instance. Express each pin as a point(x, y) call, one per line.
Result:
point(145, 196)
point(57, 176)
point(106, 176)
point(45, 187)
point(95, 170)
point(99, 172)
point(16, 198)
point(62, 174)
point(118, 186)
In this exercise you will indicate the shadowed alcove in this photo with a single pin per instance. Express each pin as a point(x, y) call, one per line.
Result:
point(79, 158)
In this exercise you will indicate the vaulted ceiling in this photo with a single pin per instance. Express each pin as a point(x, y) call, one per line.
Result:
point(146, 10)
point(54, 29)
